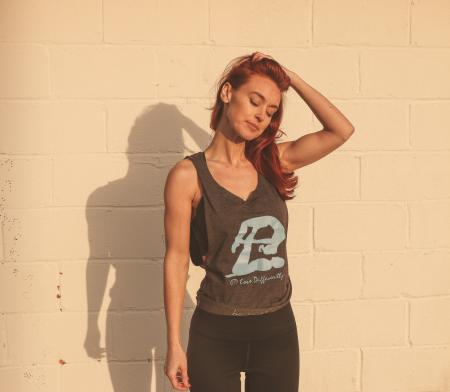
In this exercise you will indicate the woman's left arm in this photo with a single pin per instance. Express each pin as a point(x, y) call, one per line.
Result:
point(313, 146)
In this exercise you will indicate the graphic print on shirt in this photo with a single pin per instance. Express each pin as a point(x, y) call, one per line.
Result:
point(268, 246)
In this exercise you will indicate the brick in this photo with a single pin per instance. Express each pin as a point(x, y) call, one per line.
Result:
point(108, 180)
point(95, 232)
point(351, 22)
point(128, 127)
point(299, 232)
point(44, 127)
point(427, 125)
point(430, 321)
point(129, 285)
point(113, 376)
point(429, 226)
point(51, 21)
point(313, 65)
point(407, 176)
point(135, 333)
point(342, 173)
point(61, 336)
point(270, 24)
point(326, 370)
point(28, 287)
point(405, 73)
point(410, 272)
point(76, 274)
point(156, 22)
point(201, 64)
point(373, 132)
point(35, 234)
point(3, 343)
point(359, 226)
point(361, 323)
point(23, 345)
point(26, 182)
point(29, 378)
point(429, 23)
point(103, 71)
point(326, 276)
point(24, 73)
point(406, 369)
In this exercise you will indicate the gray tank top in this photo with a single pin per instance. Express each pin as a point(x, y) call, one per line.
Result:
point(245, 246)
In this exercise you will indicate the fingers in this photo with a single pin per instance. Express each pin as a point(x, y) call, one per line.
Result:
point(185, 377)
point(176, 384)
point(179, 380)
point(258, 56)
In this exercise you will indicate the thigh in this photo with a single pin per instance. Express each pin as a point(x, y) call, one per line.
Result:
point(274, 364)
point(214, 364)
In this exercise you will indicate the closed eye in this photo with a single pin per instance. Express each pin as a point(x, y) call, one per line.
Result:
point(255, 104)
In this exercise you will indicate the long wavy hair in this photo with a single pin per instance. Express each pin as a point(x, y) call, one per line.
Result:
point(262, 151)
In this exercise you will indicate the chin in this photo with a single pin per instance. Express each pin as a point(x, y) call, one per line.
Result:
point(241, 133)
point(247, 136)
point(247, 133)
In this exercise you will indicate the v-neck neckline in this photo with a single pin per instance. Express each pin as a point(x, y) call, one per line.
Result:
point(227, 192)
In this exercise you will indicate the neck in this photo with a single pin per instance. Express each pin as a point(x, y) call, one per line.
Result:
point(226, 150)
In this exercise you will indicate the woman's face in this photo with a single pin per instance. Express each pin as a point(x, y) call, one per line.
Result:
point(253, 103)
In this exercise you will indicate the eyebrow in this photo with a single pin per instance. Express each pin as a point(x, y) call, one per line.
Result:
point(263, 97)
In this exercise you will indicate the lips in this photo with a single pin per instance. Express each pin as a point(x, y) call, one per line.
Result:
point(253, 126)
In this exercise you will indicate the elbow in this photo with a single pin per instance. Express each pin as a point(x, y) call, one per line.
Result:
point(347, 134)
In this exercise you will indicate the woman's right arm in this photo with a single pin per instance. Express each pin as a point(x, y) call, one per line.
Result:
point(179, 192)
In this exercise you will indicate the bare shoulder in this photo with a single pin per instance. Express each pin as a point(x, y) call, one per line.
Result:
point(181, 180)
point(179, 192)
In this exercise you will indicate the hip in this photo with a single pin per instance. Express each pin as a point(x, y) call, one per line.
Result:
point(250, 327)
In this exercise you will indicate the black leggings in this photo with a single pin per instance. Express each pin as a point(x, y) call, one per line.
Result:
point(265, 347)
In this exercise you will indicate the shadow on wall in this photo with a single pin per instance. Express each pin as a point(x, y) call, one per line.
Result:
point(126, 233)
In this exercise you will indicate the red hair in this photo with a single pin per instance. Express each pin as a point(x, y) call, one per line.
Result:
point(262, 151)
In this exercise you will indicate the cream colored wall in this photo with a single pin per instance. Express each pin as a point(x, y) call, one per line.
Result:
point(99, 98)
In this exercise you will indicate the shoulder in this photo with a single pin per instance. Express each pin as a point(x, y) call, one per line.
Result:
point(182, 178)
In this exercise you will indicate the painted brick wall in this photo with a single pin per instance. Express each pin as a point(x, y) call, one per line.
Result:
point(98, 99)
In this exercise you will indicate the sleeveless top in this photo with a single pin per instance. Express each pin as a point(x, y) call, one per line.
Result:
point(245, 246)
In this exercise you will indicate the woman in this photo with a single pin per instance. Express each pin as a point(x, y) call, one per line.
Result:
point(225, 209)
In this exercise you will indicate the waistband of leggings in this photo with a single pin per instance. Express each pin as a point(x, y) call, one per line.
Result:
point(244, 327)
point(286, 309)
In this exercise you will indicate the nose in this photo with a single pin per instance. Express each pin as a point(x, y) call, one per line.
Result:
point(259, 116)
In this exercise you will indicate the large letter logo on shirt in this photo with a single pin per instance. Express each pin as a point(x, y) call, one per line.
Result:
point(269, 246)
